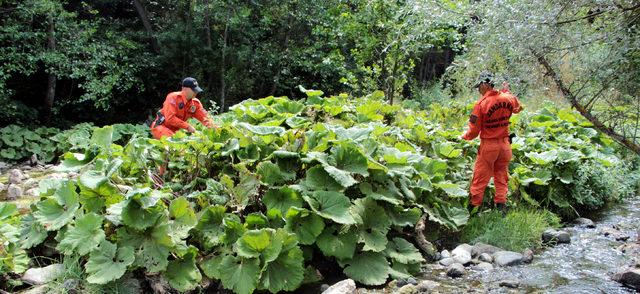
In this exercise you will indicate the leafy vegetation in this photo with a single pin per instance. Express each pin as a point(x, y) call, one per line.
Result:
point(19, 143)
point(284, 186)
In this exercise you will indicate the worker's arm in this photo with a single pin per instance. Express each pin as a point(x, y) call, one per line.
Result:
point(475, 123)
point(202, 115)
point(169, 110)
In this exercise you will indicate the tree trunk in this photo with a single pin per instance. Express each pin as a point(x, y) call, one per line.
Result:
point(51, 80)
point(573, 100)
point(223, 83)
point(144, 17)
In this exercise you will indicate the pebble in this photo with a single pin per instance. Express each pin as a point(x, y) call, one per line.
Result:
point(510, 284)
point(347, 286)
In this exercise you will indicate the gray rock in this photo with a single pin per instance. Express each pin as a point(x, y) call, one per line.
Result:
point(71, 285)
point(584, 222)
point(507, 258)
point(2, 186)
point(33, 192)
point(408, 289)
point(480, 248)
point(555, 237)
point(509, 284)
point(347, 286)
point(16, 176)
point(462, 254)
point(527, 256)
point(30, 183)
point(14, 192)
point(630, 278)
point(407, 281)
point(445, 254)
point(456, 270)
point(40, 289)
point(486, 257)
point(43, 275)
point(427, 285)
point(324, 287)
point(447, 261)
point(483, 266)
point(615, 234)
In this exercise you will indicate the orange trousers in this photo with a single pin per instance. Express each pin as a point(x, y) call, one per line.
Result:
point(493, 161)
point(161, 131)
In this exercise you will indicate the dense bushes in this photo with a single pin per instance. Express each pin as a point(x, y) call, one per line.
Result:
point(283, 186)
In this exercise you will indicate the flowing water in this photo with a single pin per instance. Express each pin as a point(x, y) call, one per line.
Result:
point(584, 266)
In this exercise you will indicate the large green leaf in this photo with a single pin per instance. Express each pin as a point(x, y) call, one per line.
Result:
point(152, 246)
point(183, 274)
point(349, 158)
point(331, 205)
point(264, 243)
point(142, 209)
point(32, 233)
point(56, 211)
point(209, 228)
point(369, 268)
point(319, 179)
point(263, 130)
point(453, 190)
point(373, 224)
point(182, 218)
point(305, 224)
point(282, 199)
point(271, 174)
point(344, 178)
point(108, 262)
point(239, 274)
point(332, 243)
point(404, 252)
point(285, 273)
point(84, 236)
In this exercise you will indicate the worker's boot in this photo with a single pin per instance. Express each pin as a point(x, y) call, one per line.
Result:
point(502, 208)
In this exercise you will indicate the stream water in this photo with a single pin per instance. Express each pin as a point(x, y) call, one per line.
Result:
point(583, 266)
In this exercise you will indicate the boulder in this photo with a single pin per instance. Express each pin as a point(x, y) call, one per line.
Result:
point(507, 258)
point(480, 248)
point(445, 254)
point(630, 278)
point(447, 261)
point(427, 286)
point(456, 270)
point(43, 275)
point(485, 257)
point(527, 255)
point(16, 176)
point(14, 192)
point(584, 222)
point(551, 236)
point(347, 286)
point(462, 254)
point(509, 284)
point(483, 266)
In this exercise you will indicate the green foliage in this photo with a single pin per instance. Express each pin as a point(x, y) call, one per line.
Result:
point(19, 143)
point(241, 203)
point(520, 229)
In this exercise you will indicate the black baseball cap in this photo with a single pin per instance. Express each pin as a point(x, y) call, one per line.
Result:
point(192, 83)
point(484, 77)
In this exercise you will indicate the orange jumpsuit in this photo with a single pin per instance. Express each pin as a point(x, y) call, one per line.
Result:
point(490, 120)
point(176, 111)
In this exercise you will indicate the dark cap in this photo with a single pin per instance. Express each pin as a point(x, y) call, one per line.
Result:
point(485, 77)
point(191, 83)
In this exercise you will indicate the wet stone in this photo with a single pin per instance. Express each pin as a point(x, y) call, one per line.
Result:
point(14, 192)
point(347, 286)
point(527, 255)
point(584, 222)
point(455, 270)
point(507, 258)
point(408, 289)
point(486, 257)
point(447, 261)
point(551, 236)
point(483, 266)
point(509, 284)
point(445, 254)
point(630, 278)
point(615, 234)
point(16, 176)
point(426, 286)
point(480, 248)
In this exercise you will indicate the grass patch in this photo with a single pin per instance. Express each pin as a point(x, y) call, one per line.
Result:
point(520, 229)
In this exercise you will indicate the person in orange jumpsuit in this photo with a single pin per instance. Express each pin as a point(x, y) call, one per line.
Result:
point(490, 119)
point(178, 107)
